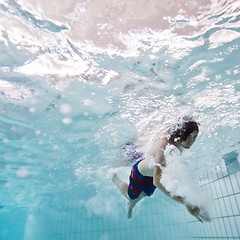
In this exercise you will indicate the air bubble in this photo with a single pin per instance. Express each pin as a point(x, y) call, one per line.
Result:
point(65, 108)
point(5, 140)
point(41, 142)
point(67, 120)
point(22, 172)
point(38, 132)
point(32, 109)
point(55, 147)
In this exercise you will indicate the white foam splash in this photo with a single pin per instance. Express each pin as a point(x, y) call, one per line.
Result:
point(14, 91)
point(177, 179)
point(222, 36)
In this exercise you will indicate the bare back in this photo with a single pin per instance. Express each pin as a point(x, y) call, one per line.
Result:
point(155, 155)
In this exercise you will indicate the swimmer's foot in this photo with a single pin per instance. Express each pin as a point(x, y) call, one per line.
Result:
point(130, 208)
point(114, 177)
point(122, 186)
point(129, 213)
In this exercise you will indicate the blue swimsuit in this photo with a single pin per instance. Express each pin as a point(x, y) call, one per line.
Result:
point(139, 183)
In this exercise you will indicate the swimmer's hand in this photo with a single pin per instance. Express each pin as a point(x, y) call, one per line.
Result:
point(201, 214)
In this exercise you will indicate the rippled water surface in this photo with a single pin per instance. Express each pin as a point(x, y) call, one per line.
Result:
point(80, 78)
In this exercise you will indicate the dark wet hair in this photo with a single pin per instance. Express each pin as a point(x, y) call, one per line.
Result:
point(182, 131)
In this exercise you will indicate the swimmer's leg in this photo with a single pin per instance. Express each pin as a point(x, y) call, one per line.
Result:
point(123, 187)
point(132, 204)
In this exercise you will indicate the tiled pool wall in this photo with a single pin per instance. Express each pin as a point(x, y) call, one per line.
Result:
point(224, 185)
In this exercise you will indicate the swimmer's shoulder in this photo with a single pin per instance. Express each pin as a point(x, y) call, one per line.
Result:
point(161, 143)
point(158, 147)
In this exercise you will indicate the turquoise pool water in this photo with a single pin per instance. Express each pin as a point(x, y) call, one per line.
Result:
point(79, 82)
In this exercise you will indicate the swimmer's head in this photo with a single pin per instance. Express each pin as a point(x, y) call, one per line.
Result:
point(185, 132)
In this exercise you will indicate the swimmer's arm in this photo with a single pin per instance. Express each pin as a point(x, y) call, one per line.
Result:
point(156, 181)
point(157, 174)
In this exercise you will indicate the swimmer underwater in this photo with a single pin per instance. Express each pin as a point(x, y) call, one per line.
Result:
point(144, 179)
